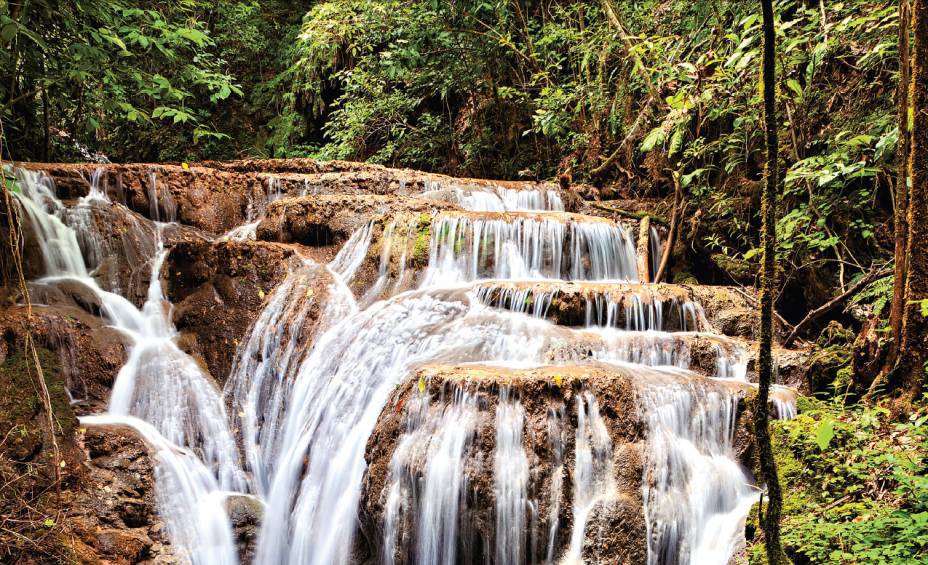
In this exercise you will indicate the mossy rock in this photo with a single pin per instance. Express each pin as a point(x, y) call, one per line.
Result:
point(21, 404)
point(420, 255)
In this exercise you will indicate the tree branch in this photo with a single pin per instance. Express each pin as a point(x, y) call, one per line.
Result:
point(834, 303)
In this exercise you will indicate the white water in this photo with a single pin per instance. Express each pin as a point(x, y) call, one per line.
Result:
point(161, 392)
point(501, 199)
point(695, 494)
point(444, 481)
point(534, 247)
point(556, 420)
point(510, 472)
point(594, 475)
point(263, 371)
point(306, 409)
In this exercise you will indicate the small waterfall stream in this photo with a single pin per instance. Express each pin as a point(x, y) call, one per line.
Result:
point(293, 423)
point(160, 392)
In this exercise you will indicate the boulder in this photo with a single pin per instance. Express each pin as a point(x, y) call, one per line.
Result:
point(218, 290)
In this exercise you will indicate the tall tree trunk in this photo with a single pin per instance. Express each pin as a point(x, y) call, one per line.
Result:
point(902, 188)
point(914, 346)
point(770, 520)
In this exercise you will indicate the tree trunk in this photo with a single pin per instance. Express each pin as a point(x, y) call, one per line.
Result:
point(644, 244)
point(674, 228)
point(770, 519)
point(902, 189)
point(913, 350)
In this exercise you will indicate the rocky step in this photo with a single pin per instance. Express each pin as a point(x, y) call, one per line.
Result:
point(219, 289)
point(330, 219)
point(208, 199)
point(631, 306)
point(218, 196)
point(524, 426)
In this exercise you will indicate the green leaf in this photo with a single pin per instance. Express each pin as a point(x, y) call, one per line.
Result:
point(653, 139)
point(8, 32)
point(676, 141)
point(793, 85)
point(824, 433)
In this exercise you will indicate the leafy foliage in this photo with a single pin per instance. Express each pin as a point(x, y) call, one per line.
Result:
point(858, 484)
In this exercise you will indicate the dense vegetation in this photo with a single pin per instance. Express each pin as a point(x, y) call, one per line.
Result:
point(635, 98)
point(624, 95)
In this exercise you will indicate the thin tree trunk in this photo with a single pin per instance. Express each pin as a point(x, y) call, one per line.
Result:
point(644, 243)
point(770, 519)
point(914, 346)
point(902, 189)
point(674, 228)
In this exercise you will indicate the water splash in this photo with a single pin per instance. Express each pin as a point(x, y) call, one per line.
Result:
point(695, 493)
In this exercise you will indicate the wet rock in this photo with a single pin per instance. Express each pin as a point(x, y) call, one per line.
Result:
point(117, 515)
point(103, 509)
point(245, 514)
point(541, 392)
point(330, 219)
point(87, 351)
point(208, 199)
point(219, 288)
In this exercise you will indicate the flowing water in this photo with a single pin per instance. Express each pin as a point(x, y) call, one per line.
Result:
point(160, 392)
point(302, 400)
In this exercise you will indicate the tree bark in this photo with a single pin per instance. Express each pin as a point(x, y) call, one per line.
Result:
point(674, 228)
point(643, 255)
point(770, 519)
point(902, 189)
point(914, 345)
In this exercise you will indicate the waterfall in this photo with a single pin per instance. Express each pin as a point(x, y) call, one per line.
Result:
point(317, 370)
point(556, 418)
point(262, 372)
point(695, 494)
point(594, 476)
point(443, 483)
point(510, 472)
point(160, 391)
point(341, 389)
point(655, 249)
point(500, 199)
point(466, 248)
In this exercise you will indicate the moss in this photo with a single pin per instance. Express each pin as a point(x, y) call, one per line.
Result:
point(685, 278)
point(20, 404)
point(420, 255)
point(738, 269)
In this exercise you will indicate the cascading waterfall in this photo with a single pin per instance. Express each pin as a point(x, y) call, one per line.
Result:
point(443, 483)
point(556, 420)
point(160, 392)
point(695, 494)
point(255, 211)
point(594, 475)
point(655, 249)
point(262, 372)
point(305, 406)
point(161, 206)
point(510, 471)
point(537, 246)
point(341, 389)
point(501, 199)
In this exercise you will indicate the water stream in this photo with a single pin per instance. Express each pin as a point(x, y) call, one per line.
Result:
point(293, 422)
